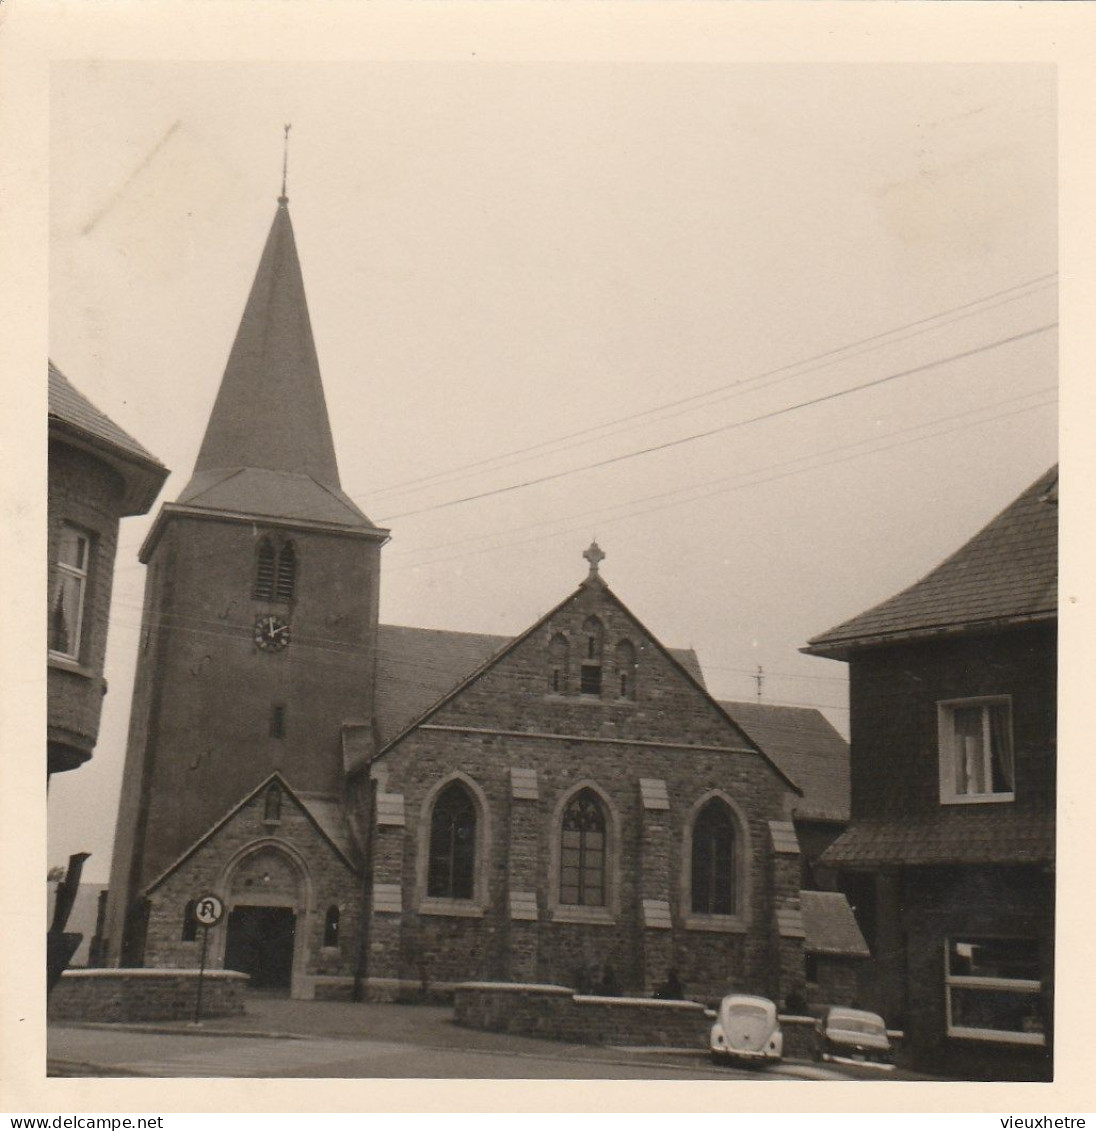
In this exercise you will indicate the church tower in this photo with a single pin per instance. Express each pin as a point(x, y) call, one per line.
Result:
point(258, 639)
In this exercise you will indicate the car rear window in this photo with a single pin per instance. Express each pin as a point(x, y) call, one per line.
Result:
point(856, 1024)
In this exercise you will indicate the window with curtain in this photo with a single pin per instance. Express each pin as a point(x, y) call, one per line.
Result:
point(583, 845)
point(264, 571)
point(452, 866)
point(625, 664)
point(976, 754)
point(713, 860)
point(69, 591)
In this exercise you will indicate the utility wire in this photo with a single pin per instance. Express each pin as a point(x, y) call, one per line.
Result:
point(452, 472)
point(724, 427)
point(603, 510)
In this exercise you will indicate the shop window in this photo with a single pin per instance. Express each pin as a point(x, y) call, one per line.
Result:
point(994, 990)
point(976, 755)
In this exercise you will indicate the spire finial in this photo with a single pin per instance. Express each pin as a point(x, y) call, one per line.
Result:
point(595, 555)
point(283, 199)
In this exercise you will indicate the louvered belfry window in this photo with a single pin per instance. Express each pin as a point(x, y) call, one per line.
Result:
point(287, 573)
point(264, 572)
point(452, 845)
point(582, 852)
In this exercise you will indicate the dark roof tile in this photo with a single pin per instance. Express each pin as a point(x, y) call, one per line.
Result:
point(830, 925)
point(1007, 572)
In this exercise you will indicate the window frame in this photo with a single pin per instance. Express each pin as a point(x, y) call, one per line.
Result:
point(82, 577)
point(476, 905)
point(948, 753)
point(738, 921)
point(1030, 986)
point(609, 912)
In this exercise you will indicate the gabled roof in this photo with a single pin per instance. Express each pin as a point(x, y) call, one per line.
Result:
point(802, 741)
point(951, 834)
point(320, 816)
point(72, 413)
point(417, 667)
point(1006, 574)
point(676, 658)
point(830, 926)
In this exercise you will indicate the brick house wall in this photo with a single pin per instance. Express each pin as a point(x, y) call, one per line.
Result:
point(86, 493)
point(508, 719)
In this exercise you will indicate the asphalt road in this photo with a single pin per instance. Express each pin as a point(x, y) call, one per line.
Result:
point(102, 1051)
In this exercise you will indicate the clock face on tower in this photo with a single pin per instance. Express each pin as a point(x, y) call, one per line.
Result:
point(271, 633)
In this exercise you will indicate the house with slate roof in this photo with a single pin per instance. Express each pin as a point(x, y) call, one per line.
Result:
point(385, 809)
point(949, 856)
point(98, 474)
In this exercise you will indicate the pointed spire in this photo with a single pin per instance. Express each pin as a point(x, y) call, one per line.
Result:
point(270, 411)
point(284, 199)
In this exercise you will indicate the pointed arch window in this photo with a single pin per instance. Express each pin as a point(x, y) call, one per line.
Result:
point(593, 643)
point(331, 926)
point(286, 579)
point(272, 805)
point(190, 922)
point(582, 857)
point(452, 862)
point(264, 571)
point(713, 877)
point(557, 664)
point(625, 664)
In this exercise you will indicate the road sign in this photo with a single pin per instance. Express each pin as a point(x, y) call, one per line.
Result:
point(208, 910)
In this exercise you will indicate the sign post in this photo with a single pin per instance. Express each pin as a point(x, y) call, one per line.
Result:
point(208, 910)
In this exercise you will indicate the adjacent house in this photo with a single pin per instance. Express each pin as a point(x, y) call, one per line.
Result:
point(949, 857)
point(97, 475)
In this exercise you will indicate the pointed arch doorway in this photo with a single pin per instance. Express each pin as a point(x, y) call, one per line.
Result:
point(268, 908)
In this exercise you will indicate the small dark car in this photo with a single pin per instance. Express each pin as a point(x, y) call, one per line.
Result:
point(855, 1035)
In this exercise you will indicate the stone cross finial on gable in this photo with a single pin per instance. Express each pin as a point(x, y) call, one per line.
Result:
point(595, 556)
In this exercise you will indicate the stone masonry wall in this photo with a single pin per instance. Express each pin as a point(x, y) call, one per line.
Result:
point(144, 995)
point(671, 733)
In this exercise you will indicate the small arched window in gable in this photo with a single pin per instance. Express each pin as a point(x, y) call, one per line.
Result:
point(557, 664)
point(272, 807)
point(452, 865)
point(331, 926)
point(287, 573)
point(625, 658)
point(582, 858)
point(593, 636)
point(190, 922)
point(713, 860)
point(264, 571)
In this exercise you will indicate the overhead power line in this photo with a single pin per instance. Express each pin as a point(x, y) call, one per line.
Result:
point(874, 341)
point(772, 414)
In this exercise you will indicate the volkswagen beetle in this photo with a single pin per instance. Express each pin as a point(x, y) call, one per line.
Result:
point(746, 1031)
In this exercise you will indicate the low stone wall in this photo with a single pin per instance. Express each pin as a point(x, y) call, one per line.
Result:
point(145, 995)
point(558, 1013)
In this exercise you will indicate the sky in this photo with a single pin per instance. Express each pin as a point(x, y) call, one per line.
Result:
point(516, 271)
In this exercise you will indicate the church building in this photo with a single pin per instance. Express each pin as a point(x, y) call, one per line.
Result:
point(385, 810)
